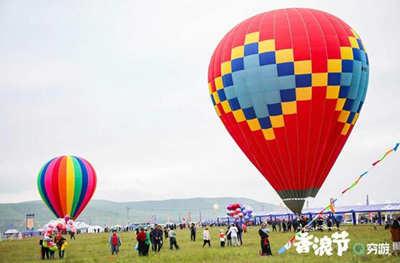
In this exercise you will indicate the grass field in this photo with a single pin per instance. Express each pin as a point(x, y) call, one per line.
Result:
point(94, 248)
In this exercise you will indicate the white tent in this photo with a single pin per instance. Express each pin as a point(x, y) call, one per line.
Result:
point(11, 232)
point(82, 226)
point(95, 229)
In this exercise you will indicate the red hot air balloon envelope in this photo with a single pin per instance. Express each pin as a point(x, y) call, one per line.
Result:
point(289, 85)
point(66, 185)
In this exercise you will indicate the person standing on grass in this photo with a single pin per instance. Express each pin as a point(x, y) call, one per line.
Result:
point(233, 231)
point(244, 227)
point(239, 233)
point(147, 242)
point(228, 237)
point(337, 221)
point(166, 230)
point(221, 238)
point(141, 239)
point(60, 242)
point(264, 240)
point(172, 239)
point(71, 235)
point(289, 225)
point(206, 237)
point(152, 240)
point(193, 232)
point(284, 225)
point(158, 238)
point(115, 243)
point(274, 225)
point(52, 248)
point(329, 223)
point(314, 225)
point(320, 222)
point(395, 232)
point(44, 249)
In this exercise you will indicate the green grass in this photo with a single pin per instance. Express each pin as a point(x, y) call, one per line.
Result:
point(94, 248)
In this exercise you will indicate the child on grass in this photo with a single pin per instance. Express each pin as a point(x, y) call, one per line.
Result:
point(222, 238)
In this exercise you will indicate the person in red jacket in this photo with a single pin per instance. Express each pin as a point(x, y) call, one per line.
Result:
point(141, 238)
point(115, 243)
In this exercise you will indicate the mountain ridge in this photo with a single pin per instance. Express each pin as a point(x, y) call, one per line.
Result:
point(107, 212)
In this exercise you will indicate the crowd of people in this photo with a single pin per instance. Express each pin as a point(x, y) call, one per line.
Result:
point(321, 223)
point(147, 237)
point(51, 243)
point(232, 235)
point(153, 237)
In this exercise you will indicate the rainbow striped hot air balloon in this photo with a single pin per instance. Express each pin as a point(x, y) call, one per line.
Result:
point(66, 185)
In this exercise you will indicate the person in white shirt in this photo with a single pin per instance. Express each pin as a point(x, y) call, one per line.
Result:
point(172, 239)
point(233, 231)
point(206, 237)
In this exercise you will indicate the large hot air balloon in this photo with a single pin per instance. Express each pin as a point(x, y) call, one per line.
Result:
point(289, 85)
point(66, 184)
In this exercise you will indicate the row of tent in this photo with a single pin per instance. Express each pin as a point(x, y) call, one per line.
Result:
point(16, 234)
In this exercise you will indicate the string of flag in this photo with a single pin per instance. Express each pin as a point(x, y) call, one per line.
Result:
point(331, 205)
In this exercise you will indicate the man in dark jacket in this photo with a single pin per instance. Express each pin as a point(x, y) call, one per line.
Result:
point(192, 232)
point(239, 233)
point(153, 243)
point(44, 250)
point(264, 241)
point(274, 225)
point(158, 238)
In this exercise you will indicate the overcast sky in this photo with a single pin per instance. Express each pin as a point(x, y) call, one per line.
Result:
point(124, 85)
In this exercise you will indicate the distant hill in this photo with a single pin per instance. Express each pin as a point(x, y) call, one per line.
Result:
point(103, 212)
